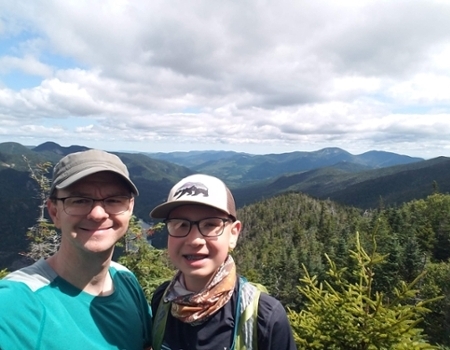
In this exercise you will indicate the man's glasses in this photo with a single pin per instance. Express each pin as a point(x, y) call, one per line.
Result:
point(208, 227)
point(83, 205)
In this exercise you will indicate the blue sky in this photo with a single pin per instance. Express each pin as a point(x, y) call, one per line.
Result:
point(256, 77)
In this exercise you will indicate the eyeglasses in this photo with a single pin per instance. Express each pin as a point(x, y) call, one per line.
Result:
point(83, 205)
point(208, 227)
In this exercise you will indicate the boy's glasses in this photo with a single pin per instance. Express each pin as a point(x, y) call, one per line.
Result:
point(208, 227)
point(78, 206)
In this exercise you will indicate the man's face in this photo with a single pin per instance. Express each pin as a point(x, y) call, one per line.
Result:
point(96, 231)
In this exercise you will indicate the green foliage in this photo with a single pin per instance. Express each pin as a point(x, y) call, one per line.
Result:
point(435, 283)
point(340, 315)
point(3, 273)
point(39, 174)
point(45, 240)
point(282, 233)
point(150, 265)
point(428, 219)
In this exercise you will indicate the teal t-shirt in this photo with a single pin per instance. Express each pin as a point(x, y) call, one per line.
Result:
point(40, 310)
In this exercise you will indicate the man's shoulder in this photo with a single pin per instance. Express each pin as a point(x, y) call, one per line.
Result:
point(15, 295)
point(34, 277)
point(121, 274)
point(115, 266)
point(118, 269)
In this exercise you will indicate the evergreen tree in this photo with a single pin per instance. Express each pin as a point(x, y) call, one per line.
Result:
point(44, 239)
point(151, 266)
point(438, 208)
point(413, 260)
point(288, 293)
point(437, 283)
point(343, 315)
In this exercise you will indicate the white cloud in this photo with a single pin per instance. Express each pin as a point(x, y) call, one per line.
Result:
point(423, 89)
point(263, 76)
point(28, 65)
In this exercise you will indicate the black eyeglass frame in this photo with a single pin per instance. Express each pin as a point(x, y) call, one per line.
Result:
point(63, 200)
point(197, 223)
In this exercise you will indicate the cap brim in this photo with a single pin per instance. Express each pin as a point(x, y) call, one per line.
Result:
point(92, 170)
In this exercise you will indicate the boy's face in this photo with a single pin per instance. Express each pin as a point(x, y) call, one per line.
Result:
point(96, 231)
point(196, 256)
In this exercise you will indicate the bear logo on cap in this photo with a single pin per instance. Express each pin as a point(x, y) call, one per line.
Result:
point(191, 189)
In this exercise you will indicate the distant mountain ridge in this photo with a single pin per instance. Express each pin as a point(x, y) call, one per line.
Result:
point(364, 189)
point(243, 168)
point(57, 149)
point(332, 173)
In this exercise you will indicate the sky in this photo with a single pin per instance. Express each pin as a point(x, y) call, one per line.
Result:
point(254, 76)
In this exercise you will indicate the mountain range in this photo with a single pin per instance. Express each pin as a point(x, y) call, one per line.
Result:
point(239, 169)
point(363, 181)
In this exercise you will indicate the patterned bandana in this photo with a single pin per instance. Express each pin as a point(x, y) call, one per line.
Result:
point(195, 308)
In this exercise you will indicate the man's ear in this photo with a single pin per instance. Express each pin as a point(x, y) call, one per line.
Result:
point(52, 209)
point(131, 207)
point(235, 231)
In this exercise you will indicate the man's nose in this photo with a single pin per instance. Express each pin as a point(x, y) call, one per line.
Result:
point(98, 210)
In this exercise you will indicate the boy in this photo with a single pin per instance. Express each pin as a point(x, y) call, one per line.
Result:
point(211, 307)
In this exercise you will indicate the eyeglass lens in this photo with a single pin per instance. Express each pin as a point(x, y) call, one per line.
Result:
point(208, 227)
point(83, 205)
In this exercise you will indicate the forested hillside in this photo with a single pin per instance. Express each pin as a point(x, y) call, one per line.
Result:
point(282, 233)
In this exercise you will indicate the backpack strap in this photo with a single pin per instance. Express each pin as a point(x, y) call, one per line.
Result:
point(159, 322)
point(246, 318)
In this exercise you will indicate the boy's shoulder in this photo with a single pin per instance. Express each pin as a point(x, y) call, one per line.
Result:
point(158, 294)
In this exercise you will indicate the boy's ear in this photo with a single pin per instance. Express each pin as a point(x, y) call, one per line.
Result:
point(235, 231)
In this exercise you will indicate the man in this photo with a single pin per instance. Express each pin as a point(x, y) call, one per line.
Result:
point(78, 298)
